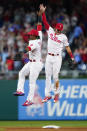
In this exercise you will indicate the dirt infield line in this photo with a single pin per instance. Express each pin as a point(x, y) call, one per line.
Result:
point(41, 129)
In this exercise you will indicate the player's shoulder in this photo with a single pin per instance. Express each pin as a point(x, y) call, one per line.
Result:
point(33, 42)
point(64, 35)
point(50, 28)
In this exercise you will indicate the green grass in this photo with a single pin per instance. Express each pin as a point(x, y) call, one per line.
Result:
point(43, 123)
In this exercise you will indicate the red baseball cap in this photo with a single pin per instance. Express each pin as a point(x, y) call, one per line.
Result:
point(59, 26)
point(33, 32)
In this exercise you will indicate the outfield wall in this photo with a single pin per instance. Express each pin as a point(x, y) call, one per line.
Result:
point(72, 104)
point(8, 103)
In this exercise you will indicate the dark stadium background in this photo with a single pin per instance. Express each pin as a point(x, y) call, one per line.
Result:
point(18, 17)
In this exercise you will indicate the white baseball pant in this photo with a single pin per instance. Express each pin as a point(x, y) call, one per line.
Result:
point(52, 67)
point(32, 69)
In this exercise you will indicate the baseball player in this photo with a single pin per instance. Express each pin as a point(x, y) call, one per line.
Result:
point(56, 42)
point(33, 67)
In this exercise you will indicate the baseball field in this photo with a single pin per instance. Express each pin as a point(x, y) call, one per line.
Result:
point(37, 125)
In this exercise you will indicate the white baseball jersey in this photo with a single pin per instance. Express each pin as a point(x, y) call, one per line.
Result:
point(35, 53)
point(56, 43)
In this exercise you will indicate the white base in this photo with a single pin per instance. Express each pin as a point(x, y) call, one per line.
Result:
point(51, 126)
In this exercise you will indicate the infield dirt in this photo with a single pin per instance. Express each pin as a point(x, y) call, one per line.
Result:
point(42, 129)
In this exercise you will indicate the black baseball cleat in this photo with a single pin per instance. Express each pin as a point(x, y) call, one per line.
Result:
point(18, 93)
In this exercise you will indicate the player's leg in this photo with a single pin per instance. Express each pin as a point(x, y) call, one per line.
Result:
point(48, 72)
point(34, 73)
point(56, 70)
point(22, 73)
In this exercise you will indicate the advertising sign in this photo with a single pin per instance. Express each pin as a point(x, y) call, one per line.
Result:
point(72, 104)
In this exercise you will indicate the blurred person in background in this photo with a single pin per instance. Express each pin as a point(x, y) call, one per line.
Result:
point(18, 63)
point(10, 40)
point(4, 55)
point(83, 53)
point(3, 37)
point(77, 57)
point(10, 63)
point(20, 42)
point(81, 58)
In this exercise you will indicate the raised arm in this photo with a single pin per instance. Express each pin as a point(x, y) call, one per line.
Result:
point(45, 21)
point(42, 11)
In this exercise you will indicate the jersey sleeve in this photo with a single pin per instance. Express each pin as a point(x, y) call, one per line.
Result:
point(45, 21)
point(65, 41)
point(39, 29)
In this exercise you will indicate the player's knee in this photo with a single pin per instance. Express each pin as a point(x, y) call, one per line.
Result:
point(48, 76)
point(32, 81)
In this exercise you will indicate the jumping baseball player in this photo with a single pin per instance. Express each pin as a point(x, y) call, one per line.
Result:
point(56, 42)
point(33, 67)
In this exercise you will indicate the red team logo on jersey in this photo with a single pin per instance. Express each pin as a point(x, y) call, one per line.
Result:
point(53, 37)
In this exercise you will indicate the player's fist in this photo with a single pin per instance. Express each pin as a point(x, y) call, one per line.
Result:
point(42, 8)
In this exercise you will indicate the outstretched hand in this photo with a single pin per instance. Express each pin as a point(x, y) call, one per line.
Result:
point(42, 8)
